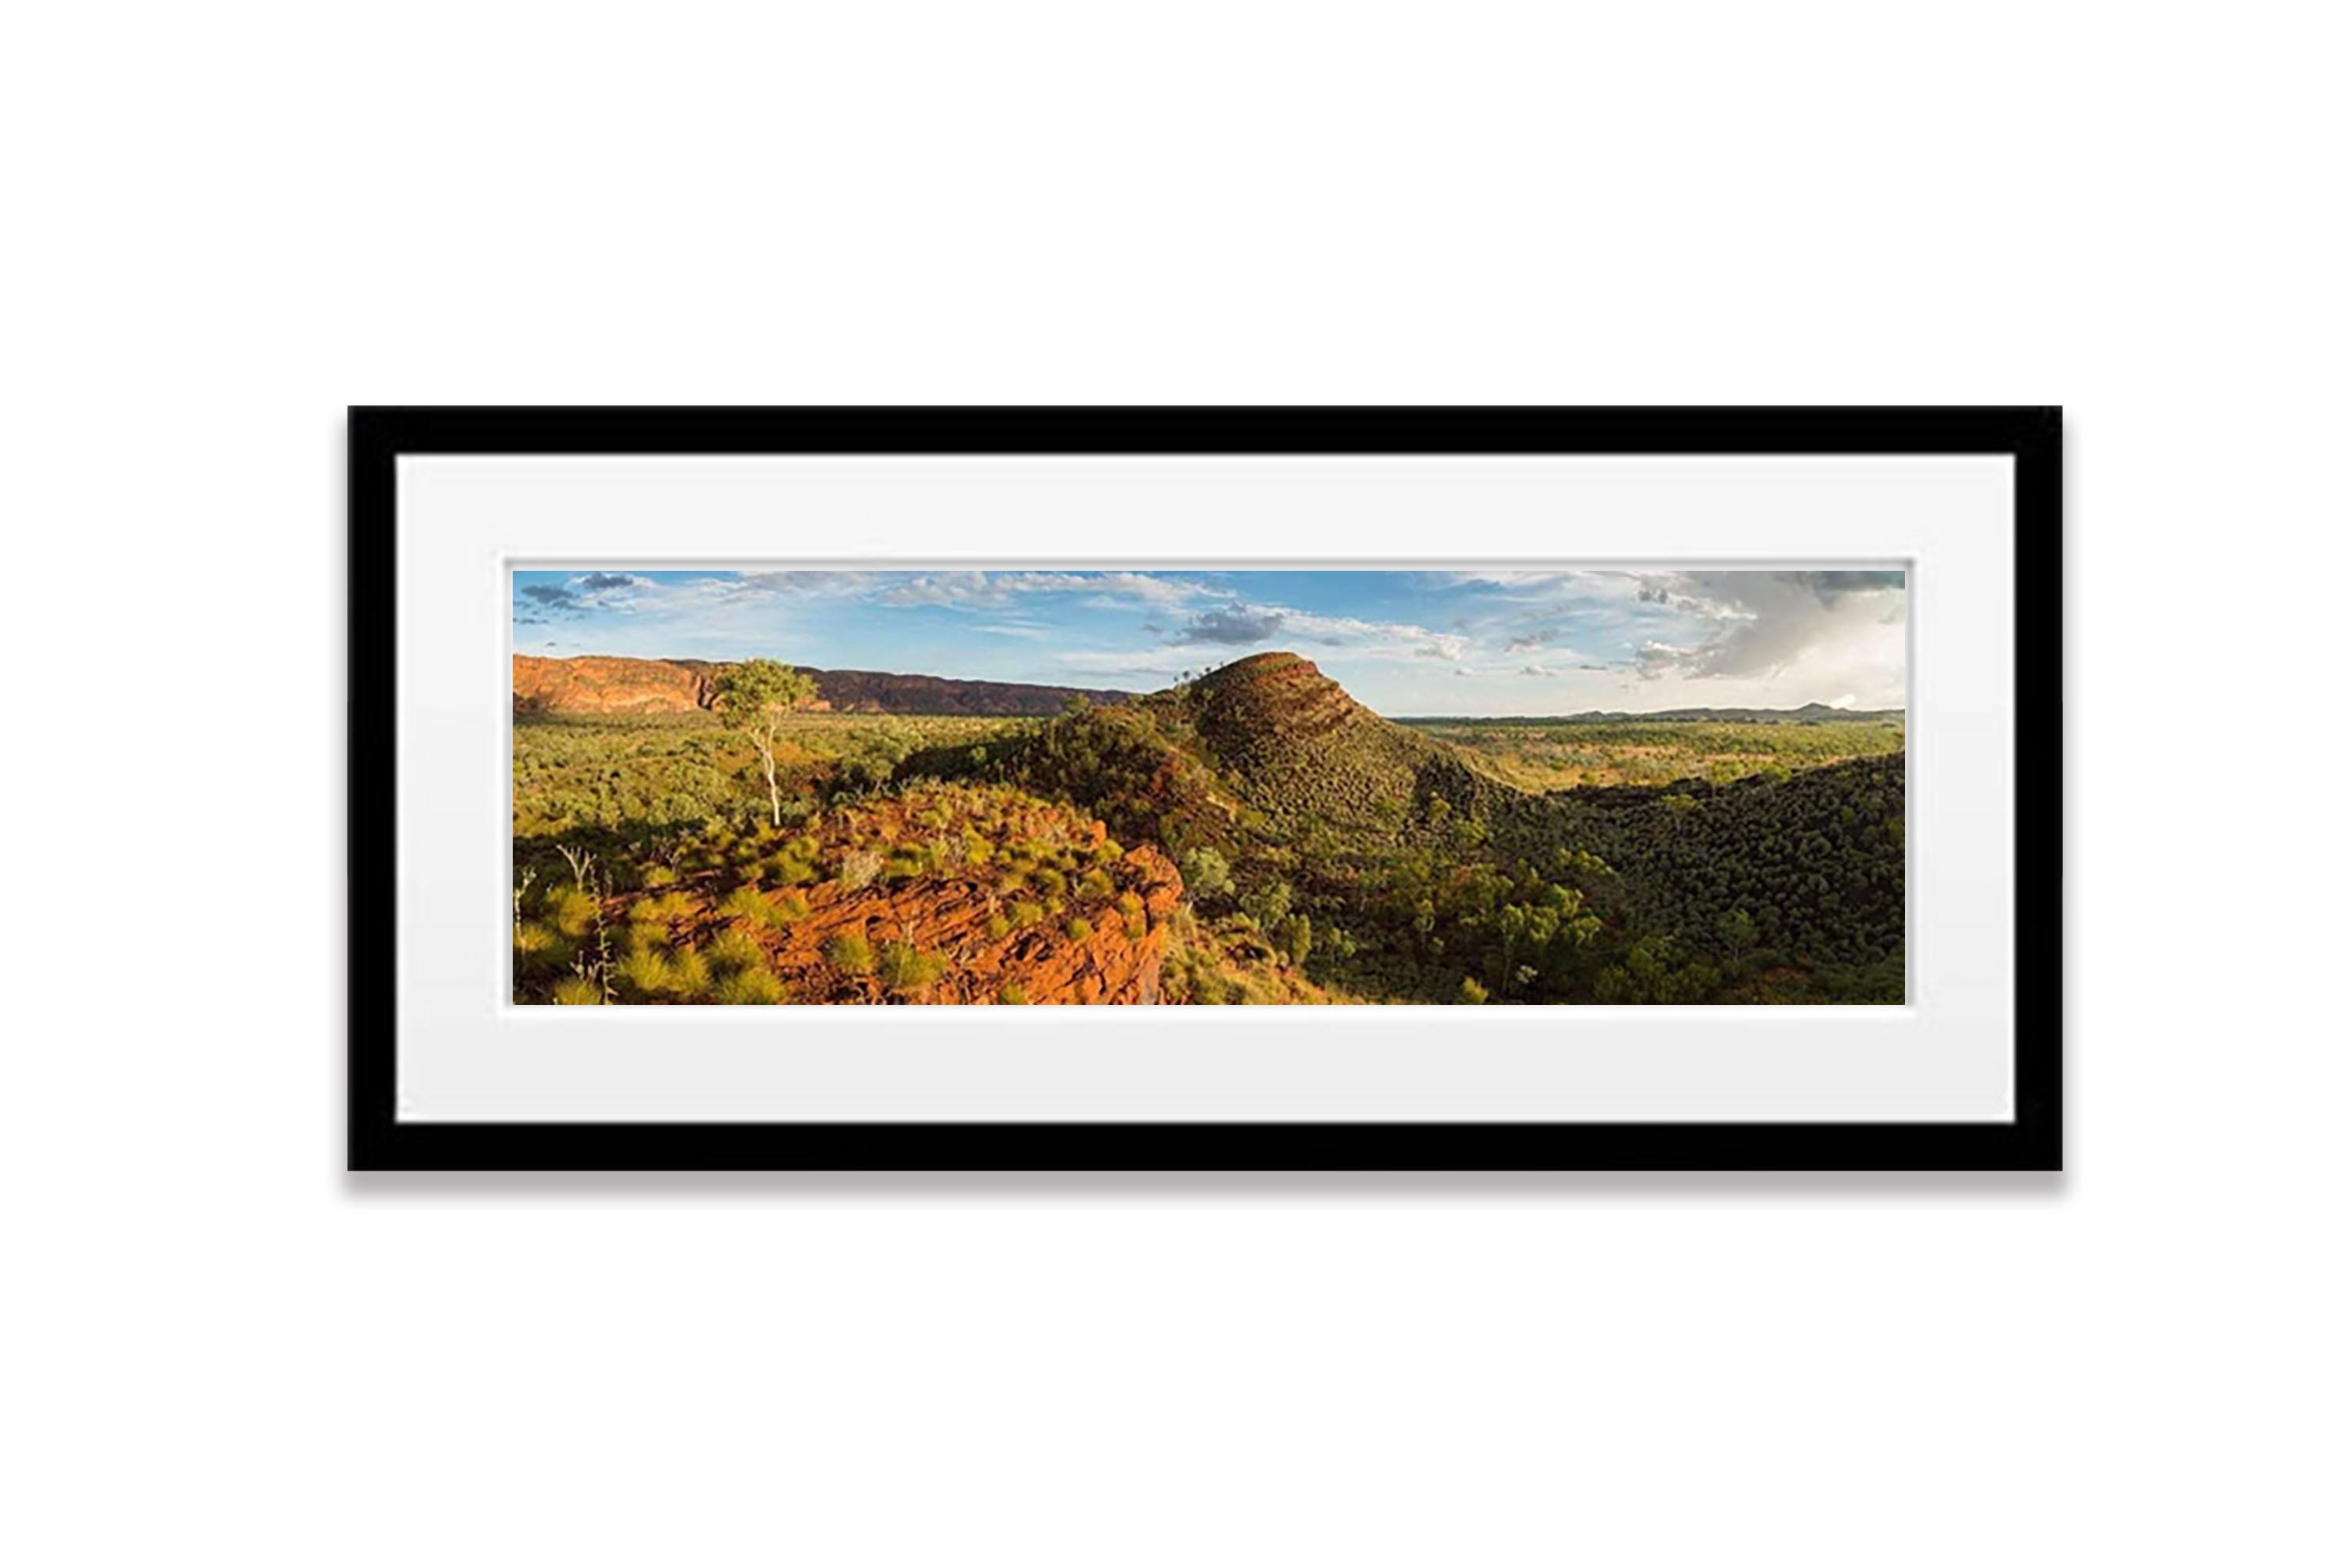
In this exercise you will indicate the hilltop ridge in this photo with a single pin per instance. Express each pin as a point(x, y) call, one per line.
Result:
point(1425, 866)
point(603, 684)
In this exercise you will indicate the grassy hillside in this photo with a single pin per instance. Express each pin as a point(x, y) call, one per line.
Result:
point(1418, 874)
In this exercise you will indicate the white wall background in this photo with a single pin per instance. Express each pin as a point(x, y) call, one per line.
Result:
point(227, 221)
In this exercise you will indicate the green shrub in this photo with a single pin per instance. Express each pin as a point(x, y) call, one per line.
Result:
point(574, 911)
point(736, 949)
point(1025, 914)
point(1206, 873)
point(999, 927)
point(689, 973)
point(646, 971)
point(578, 991)
point(757, 908)
point(1294, 935)
point(1096, 885)
point(1267, 905)
point(1080, 927)
point(850, 955)
point(791, 906)
point(749, 988)
point(1472, 993)
point(906, 970)
point(659, 877)
point(541, 949)
point(1012, 995)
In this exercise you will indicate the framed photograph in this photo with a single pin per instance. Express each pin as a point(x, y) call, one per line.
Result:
point(1205, 789)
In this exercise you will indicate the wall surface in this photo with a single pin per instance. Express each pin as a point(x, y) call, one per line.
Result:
point(229, 221)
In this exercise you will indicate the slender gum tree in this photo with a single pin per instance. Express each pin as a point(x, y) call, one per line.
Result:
point(755, 696)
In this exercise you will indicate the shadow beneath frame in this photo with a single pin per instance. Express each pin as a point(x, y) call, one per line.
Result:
point(1188, 1185)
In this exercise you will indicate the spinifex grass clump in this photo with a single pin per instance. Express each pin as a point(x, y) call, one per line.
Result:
point(735, 949)
point(541, 950)
point(572, 911)
point(755, 908)
point(850, 955)
point(749, 988)
point(644, 971)
point(789, 869)
point(689, 974)
point(907, 969)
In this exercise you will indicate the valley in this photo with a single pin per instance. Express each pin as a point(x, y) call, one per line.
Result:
point(1252, 835)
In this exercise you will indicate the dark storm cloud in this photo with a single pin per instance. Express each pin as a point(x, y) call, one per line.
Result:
point(1830, 587)
point(1766, 620)
point(550, 594)
point(1230, 627)
point(596, 580)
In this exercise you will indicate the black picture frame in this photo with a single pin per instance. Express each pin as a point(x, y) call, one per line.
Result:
point(379, 1140)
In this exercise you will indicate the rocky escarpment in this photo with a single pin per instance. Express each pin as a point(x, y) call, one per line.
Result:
point(1116, 961)
point(595, 684)
point(941, 894)
point(609, 685)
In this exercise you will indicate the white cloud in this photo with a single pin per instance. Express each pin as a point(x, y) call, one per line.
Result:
point(1808, 632)
point(962, 590)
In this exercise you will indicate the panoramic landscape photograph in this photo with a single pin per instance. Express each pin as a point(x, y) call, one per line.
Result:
point(1606, 786)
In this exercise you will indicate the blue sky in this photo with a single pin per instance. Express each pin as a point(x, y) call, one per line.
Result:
point(1417, 642)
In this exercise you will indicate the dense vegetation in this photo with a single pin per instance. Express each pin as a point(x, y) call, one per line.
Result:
point(677, 770)
point(1324, 853)
point(1404, 869)
point(1560, 754)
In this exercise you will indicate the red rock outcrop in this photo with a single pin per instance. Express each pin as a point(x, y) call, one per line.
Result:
point(608, 685)
point(1116, 963)
point(595, 684)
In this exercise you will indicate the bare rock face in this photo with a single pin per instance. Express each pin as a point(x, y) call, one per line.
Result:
point(597, 685)
point(608, 685)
